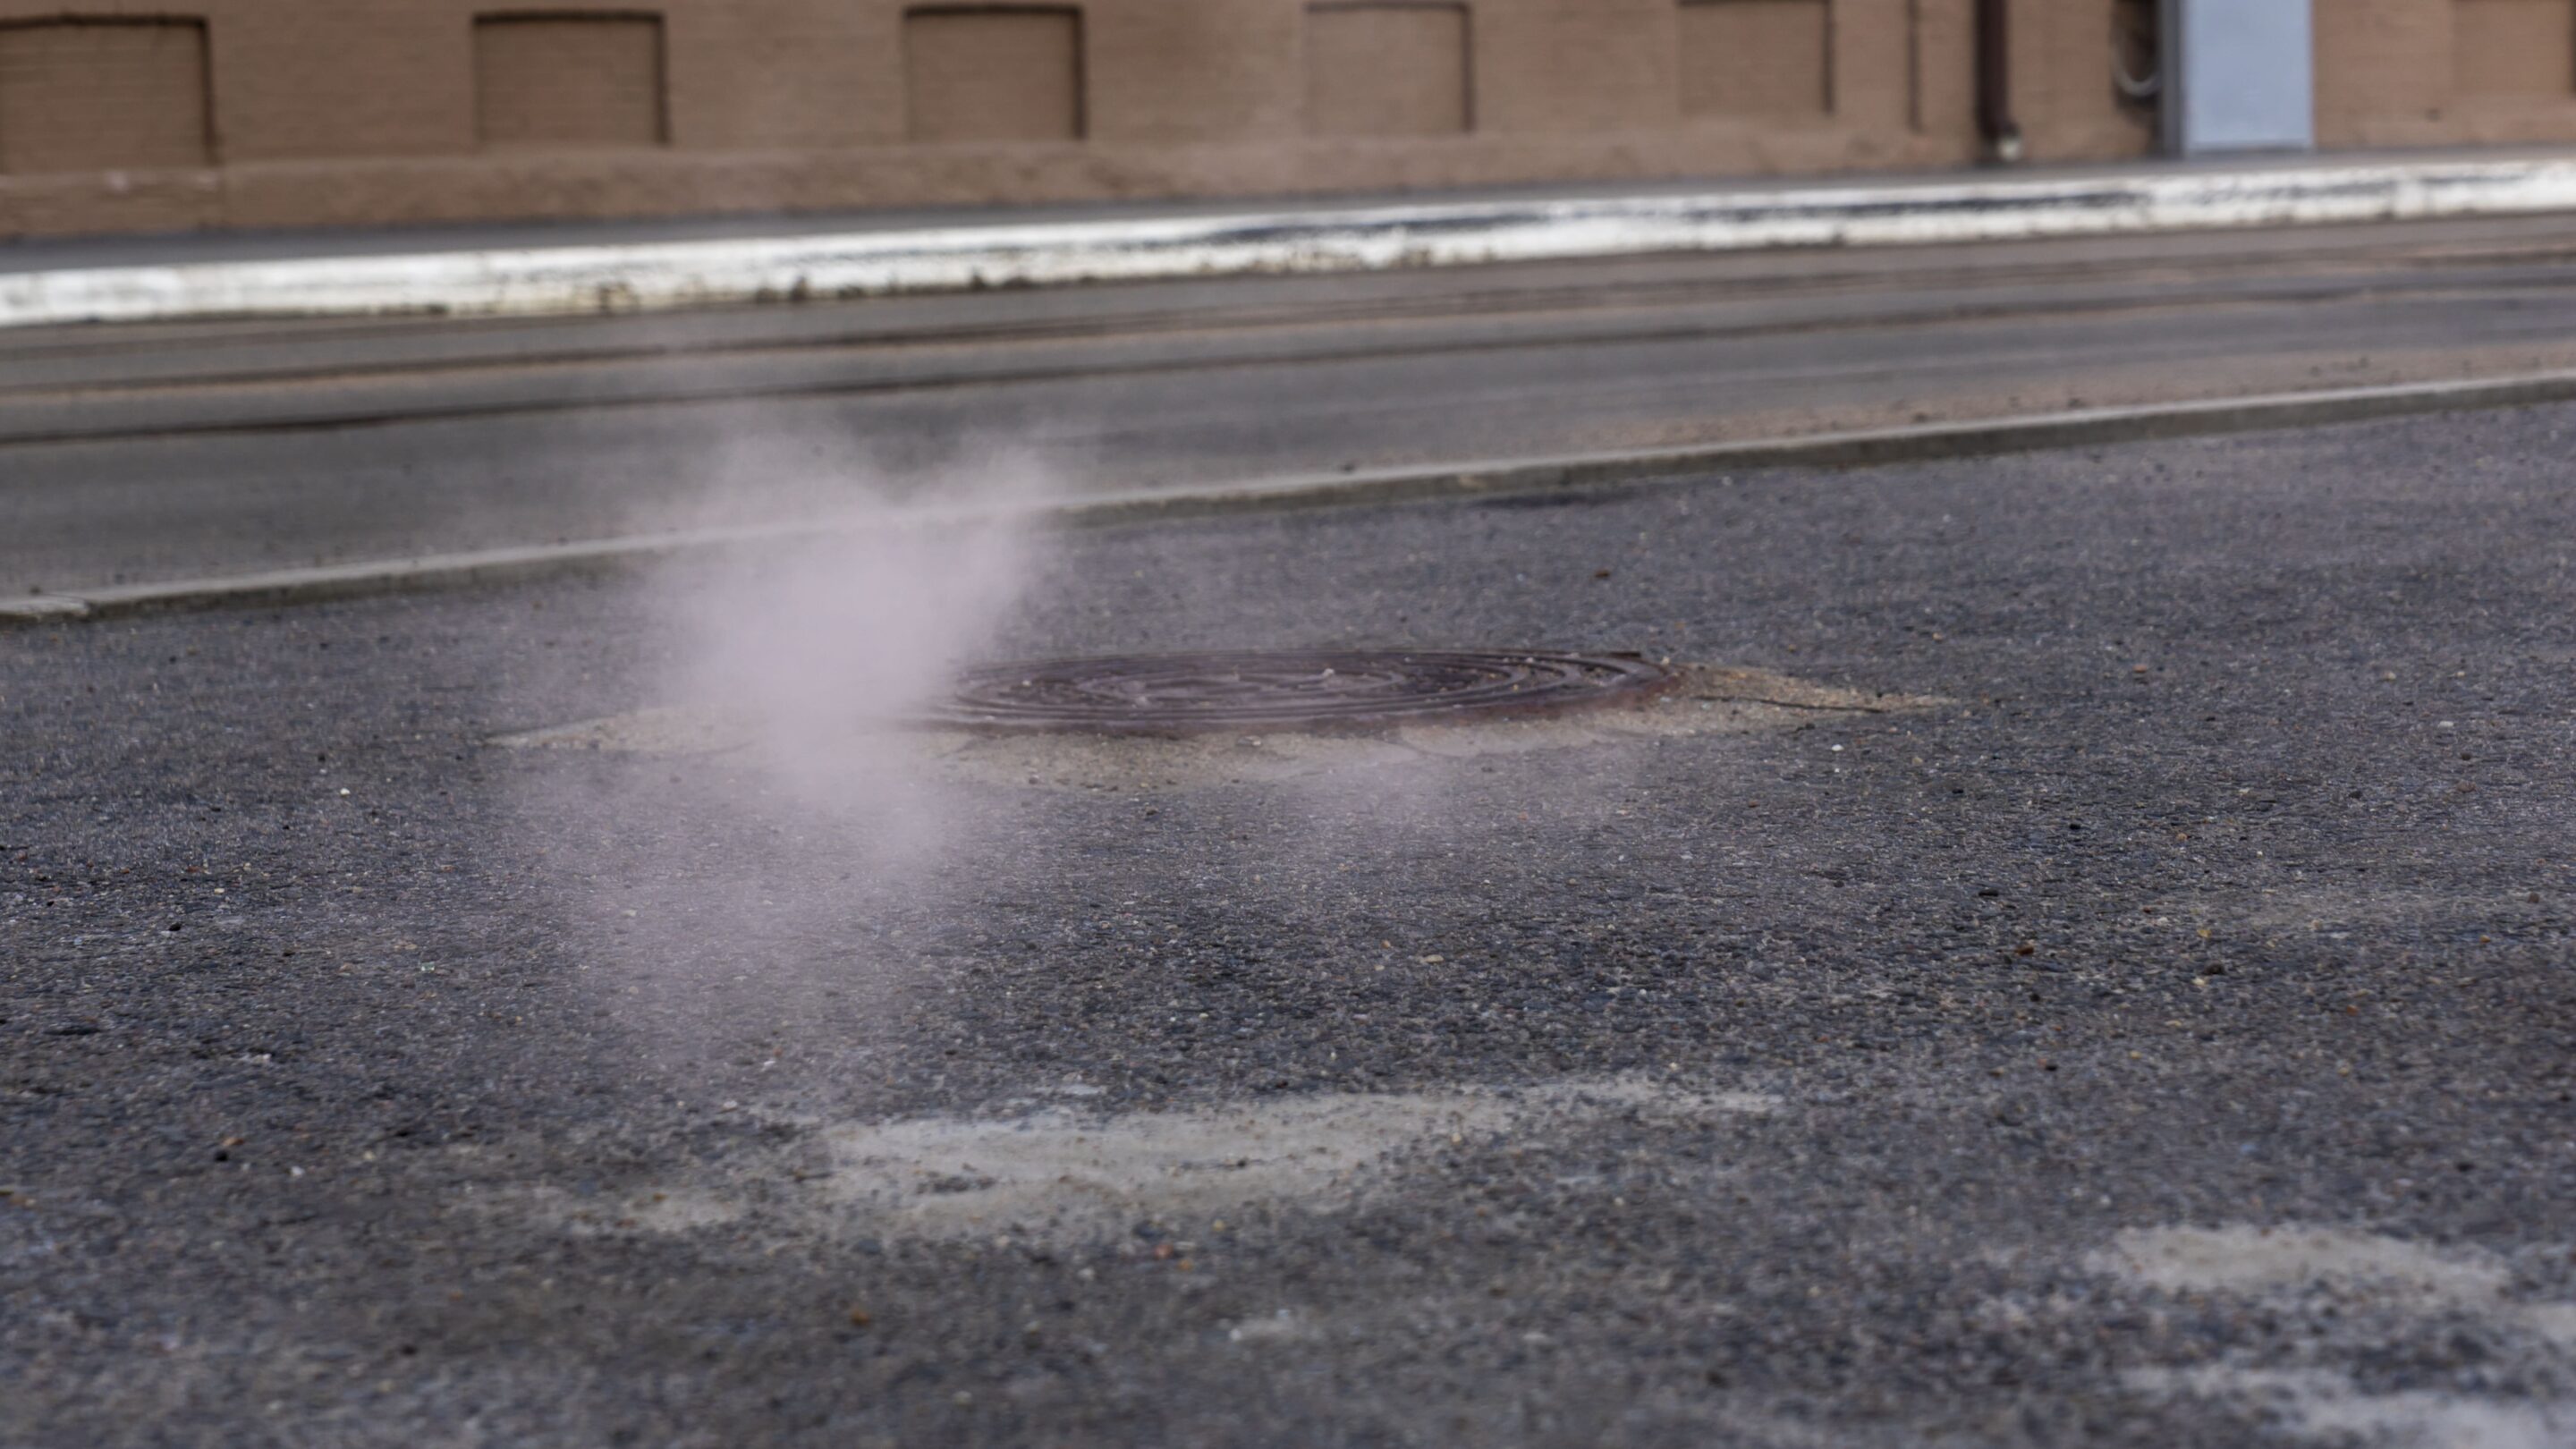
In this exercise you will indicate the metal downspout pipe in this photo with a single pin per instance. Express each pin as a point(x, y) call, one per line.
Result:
point(1995, 123)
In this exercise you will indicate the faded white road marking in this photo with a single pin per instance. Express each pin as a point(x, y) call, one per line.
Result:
point(2254, 1260)
point(1067, 1174)
point(2248, 1259)
point(1066, 1170)
point(2319, 1404)
point(2393, 1275)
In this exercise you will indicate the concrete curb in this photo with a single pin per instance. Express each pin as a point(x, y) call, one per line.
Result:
point(1508, 478)
point(656, 275)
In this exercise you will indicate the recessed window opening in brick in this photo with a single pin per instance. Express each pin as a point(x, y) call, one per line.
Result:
point(2521, 48)
point(1941, 65)
point(1389, 69)
point(568, 82)
point(993, 73)
point(106, 94)
point(1758, 59)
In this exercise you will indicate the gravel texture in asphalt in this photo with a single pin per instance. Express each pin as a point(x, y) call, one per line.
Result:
point(2114, 988)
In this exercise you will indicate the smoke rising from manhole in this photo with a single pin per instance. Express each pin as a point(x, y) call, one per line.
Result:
point(821, 833)
point(733, 915)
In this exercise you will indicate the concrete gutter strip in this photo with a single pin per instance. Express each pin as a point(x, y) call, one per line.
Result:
point(1519, 477)
point(654, 275)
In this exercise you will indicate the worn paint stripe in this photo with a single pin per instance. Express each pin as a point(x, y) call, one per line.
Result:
point(656, 275)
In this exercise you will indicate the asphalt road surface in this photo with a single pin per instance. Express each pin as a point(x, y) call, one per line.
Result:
point(2097, 970)
point(151, 453)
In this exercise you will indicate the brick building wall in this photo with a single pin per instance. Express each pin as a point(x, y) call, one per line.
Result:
point(126, 115)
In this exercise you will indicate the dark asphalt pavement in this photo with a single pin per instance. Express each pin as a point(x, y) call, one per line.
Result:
point(2151, 1023)
point(139, 454)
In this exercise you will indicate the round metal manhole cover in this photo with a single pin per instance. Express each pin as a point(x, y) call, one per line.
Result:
point(1314, 689)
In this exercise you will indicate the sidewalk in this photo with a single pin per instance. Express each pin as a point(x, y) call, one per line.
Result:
point(538, 270)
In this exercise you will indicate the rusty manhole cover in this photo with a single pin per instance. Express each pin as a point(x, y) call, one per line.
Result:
point(1165, 694)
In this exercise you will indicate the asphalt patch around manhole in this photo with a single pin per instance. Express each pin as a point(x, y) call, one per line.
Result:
point(1699, 699)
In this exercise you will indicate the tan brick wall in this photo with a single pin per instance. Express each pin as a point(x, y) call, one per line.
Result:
point(1389, 69)
point(2513, 50)
point(1576, 67)
point(362, 111)
point(2445, 72)
point(990, 74)
point(87, 95)
point(2063, 94)
point(568, 82)
point(1941, 67)
point(1769, 60)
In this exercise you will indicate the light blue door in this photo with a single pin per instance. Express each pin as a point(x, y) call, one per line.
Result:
point(2238, 76)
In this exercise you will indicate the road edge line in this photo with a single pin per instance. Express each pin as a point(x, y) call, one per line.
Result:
point(1586, 472)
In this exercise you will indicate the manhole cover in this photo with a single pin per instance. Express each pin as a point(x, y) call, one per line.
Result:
point(1294, 689)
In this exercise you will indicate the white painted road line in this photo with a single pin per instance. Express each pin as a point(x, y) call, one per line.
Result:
point(657, 275)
